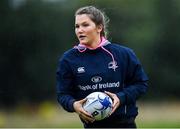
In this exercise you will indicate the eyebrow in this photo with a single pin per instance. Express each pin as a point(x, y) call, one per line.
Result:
point(82, 23)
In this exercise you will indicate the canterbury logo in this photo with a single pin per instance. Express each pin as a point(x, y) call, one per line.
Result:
point(81, 70)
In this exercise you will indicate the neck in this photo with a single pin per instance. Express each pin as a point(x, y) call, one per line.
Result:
point(95, 43)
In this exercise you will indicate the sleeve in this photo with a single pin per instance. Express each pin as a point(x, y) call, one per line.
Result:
point(64, 85)
point(135, 80)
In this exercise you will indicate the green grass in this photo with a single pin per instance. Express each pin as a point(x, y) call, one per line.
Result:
point(50, 115)
point(160, 124)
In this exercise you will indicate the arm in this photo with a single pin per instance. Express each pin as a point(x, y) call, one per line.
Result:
point(135, 80)
point(65, 92)
point(64, 78)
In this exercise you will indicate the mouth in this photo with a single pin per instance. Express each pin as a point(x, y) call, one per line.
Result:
point(81, 37)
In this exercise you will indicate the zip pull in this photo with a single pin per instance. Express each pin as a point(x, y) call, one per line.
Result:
point(112, 64)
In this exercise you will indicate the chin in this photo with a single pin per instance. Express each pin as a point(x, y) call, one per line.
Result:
point(84, 43)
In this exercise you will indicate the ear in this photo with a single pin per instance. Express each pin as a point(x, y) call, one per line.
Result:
point(99, 28)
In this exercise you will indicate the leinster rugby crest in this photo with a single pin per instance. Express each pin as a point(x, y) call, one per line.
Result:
point(112, 65)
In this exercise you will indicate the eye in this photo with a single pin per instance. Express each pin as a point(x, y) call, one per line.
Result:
point(76, 26)
point(86, 24)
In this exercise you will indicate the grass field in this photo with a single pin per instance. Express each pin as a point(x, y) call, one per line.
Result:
point(50, 115)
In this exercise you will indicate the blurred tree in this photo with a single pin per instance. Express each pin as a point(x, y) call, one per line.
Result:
point(166, 49)
point(35, 33)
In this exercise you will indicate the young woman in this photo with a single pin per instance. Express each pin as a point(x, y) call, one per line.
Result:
point(114, 66)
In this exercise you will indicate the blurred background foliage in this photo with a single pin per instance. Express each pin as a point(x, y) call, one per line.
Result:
point(35, 33)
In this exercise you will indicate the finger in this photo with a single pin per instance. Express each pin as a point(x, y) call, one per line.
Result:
point(111, 95)
point(108, 93)
point(114, 107)
point(84, 119)
point(87, 118)
point(113, 110)
point(86, 113)
point(115, 103)
point(114, 97)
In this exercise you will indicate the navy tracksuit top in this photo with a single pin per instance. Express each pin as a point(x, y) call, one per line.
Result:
point(111, 67)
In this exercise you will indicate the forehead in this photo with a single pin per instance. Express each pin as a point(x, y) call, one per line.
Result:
point(82, 18)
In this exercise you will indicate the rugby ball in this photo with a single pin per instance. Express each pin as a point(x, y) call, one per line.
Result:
point(98, 104)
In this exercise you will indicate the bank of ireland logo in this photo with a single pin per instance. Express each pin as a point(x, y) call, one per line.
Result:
point(112, 65)
point(96, 79)
point(81, 70)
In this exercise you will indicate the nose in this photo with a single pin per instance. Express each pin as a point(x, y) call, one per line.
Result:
point(79, 30)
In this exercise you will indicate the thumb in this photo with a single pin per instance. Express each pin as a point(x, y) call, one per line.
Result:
point(83, 100)
point(109, 93)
